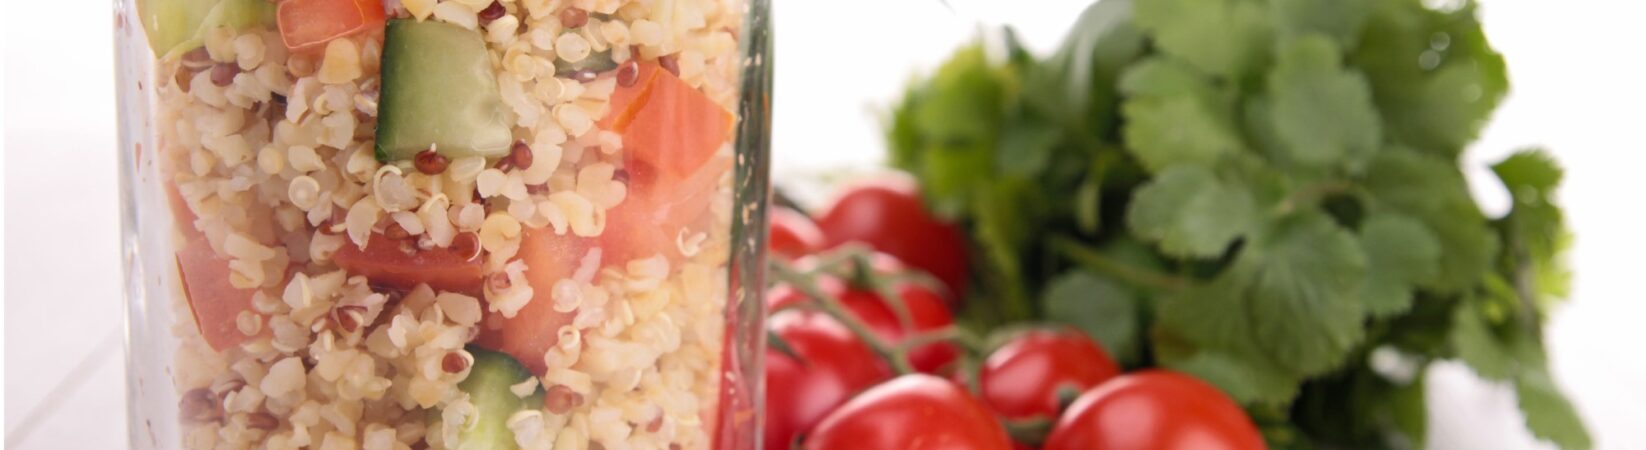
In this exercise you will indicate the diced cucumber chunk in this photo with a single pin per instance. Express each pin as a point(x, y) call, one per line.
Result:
point(597, 62)
point(439, 90)
point(177, 26)
point(488, 388)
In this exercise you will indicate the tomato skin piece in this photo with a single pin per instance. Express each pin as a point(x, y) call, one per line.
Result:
point(626, 100)
point(1154, 410)
point(889, 215)
point(927, 312)
point(214, 301)
point(400, 265)
point(306, 24)
point(673, 127)
point(671, 132)
point(182, 216)
point(535, 329)
point(912, 412)
point(1022, 379)
point(793, 235)
point(667, 124)
point(833, 365)
point(656, 208)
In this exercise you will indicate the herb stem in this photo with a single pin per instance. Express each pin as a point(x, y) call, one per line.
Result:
point(1092, 259)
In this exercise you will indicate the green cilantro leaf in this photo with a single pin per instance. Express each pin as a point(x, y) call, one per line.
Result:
point(1322, 113)
point(945, 131)
point(1191, 213)
point(1340, 20)
point(1290, 299)
point(1433, 75)
point(1248, 378)
point(1432, 191)
point(1536, 226)
point(1165, 77)
point(1408, 412)
point(1227, 38)
point(1287, 175)
point(1175, 116)
point(1474, 342)
point(1098, 306)
point(1401, 253)
point(972, 117)
point(1075, 87)
point(1206, 332)
point(1026, 147)
point(1548, 414)
point(1531, 169)
point(1301, 280)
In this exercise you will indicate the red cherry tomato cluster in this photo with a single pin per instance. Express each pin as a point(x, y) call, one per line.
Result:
point(889, 215)
point(865, 354)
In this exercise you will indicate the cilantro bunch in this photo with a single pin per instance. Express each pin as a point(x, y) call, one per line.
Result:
point(1261, 193)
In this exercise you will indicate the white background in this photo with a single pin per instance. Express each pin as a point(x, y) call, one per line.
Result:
point(1580, 89)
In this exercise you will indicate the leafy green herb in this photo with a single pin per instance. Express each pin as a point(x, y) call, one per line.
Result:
point(1257, 192)
point(1100, 307)
point(1401, 254)
point(1322, 114)
point(1191, 213)
point(1548, 414)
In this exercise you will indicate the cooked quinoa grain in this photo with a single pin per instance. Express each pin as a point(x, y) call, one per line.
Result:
point(600, 273)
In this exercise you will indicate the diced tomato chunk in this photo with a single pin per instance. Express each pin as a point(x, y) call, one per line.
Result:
point(180, 212)
point(671, 133)
point(626, 100)
point(312, 23)
point(399, 264)
point(658, 206)
point(215, 302)
point(535, 329)
point(676, 128)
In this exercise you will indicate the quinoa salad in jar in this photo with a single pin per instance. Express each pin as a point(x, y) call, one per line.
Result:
point(440, 224)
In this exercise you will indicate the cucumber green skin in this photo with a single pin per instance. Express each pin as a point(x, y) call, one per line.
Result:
point(177, 26)
point(597, 62)
point(488, 388)
point(439, 89)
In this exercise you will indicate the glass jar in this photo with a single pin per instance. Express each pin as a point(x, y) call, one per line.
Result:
point(406, 224)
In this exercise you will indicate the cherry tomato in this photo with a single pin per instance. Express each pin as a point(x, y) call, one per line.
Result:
point(912, 412)
point(832, 365)
point(1155, 410)
point(793, 235)
point(927, 312)
point(1023, 378)
point(400, 264)
point(888, 215)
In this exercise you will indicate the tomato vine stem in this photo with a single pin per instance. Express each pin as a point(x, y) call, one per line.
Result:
point(836, 309)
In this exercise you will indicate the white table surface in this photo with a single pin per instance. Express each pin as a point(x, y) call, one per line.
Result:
point(1577, 66)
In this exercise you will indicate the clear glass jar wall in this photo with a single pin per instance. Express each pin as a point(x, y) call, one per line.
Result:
point(408, 224)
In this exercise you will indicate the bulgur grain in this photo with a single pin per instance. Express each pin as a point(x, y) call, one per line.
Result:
point(636, 366)
point(421, 9)
point(571, 47)
point(341, 63)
